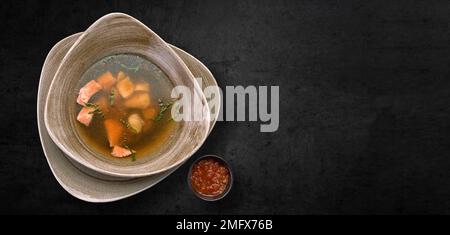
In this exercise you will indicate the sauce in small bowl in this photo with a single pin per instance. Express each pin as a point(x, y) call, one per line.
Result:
point(210, 178)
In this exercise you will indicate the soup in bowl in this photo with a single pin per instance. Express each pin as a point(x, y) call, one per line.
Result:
point(124, 108)
point(109, 104)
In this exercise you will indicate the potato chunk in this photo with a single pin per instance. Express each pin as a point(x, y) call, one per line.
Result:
point(125, 87)
point(136, 122)
point(121, 75)
point(139, 100)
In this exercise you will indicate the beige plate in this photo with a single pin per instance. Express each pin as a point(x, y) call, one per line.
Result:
point(79, 181)
point(118, 33)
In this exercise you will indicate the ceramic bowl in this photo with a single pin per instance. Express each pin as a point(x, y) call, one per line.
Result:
point(119, 33)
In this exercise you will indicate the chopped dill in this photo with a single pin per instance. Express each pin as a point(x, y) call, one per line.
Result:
point(163, 107)
point(127, 125)
point(96, 110)
point(134, 69)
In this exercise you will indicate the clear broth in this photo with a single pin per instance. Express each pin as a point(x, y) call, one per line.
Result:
point(138, 69)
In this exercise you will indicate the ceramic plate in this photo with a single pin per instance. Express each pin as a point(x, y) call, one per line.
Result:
point(76, 179)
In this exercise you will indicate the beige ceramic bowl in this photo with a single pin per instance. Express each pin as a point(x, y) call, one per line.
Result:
point(118, 33)
point(75, 178)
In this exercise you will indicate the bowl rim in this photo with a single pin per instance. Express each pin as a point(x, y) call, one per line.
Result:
point(108, 172)
point(229, 185)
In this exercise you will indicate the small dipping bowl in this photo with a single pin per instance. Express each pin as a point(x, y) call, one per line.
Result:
point(221, 162)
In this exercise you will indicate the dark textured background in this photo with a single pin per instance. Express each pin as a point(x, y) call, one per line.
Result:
point(364, 109)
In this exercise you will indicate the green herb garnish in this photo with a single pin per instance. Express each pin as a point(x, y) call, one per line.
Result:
point(96, 110)
point(163, 107)
point(132, 129)
point(124, 122)
point(124, 139)
point(111, 96)
point(107, 59)
point(90, 105)
point(127, 125)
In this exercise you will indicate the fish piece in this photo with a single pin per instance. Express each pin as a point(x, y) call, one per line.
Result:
point(106, 80)
point(136, 122)
point(120, 152)
point(125, 87)
point(85, 115)
point(142, 86)
point(139, 100)
point(150, 113)
point(121, 75)
point(87, 91)
point(114, 130)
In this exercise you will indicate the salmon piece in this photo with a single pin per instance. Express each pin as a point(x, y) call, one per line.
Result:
point(106, 80)
point(150, 113)
point(121, 75)
point(139, 100)
point(114, 130)
point(142, 86)
point(103, 104)
point(87, 92)
point(136, 122)
point(120, 152)
point(85, 115)
point(125, 87)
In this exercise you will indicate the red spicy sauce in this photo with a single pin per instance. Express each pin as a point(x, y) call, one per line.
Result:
point(210, 177)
